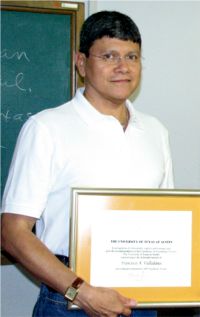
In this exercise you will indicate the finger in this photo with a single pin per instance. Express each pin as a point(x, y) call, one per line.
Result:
point(129, 302)
point(126, 312)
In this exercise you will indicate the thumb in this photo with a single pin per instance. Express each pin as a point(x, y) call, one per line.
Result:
point(130, 302)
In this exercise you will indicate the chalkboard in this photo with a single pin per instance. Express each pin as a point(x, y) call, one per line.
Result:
point(37, 70)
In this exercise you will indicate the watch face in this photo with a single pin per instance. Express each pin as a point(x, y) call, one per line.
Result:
point(71, 293)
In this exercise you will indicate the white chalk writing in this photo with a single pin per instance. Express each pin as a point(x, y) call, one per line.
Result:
point(17, 80)
point(16, 83)
point(18, 55)
point(7, 116)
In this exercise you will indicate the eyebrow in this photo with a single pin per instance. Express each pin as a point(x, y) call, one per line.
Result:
point(117, 52)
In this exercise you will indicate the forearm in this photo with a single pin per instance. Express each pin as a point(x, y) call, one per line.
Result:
point(21, 243)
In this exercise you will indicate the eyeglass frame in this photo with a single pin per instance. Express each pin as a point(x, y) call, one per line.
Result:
point(112, 59)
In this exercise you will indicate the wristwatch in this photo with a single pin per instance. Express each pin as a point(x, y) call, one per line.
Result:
point(72, 290)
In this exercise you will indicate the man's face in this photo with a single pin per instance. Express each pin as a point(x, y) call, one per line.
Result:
point(108, 79)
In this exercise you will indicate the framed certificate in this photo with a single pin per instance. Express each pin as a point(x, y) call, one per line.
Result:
point(143, 243)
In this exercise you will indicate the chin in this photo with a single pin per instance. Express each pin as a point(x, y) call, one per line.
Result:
point(124, 92)
point(123, 95)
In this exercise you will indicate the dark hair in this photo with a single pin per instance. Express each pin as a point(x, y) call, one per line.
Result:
point(112, 24)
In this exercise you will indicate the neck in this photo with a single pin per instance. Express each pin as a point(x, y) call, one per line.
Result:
point(125, 121)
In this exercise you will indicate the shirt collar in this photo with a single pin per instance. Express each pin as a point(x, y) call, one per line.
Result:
point(84, 108)
point(135, 119)
point(93, 117)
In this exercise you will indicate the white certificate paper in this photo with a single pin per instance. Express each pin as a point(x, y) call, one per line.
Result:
point(131, 248)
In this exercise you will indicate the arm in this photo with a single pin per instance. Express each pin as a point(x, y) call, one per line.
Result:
point(20, 242)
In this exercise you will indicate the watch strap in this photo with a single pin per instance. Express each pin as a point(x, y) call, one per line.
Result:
point(77, 283)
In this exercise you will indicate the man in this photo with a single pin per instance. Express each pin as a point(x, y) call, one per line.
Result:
point(98, 140)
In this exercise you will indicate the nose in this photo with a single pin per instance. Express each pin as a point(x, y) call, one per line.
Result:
point(122, 65)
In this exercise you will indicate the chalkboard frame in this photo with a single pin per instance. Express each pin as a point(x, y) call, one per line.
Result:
point(76, 10)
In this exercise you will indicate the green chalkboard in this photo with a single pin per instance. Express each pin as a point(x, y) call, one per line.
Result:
point(36, 69)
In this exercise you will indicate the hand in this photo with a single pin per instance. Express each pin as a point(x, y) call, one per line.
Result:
point(103, 302)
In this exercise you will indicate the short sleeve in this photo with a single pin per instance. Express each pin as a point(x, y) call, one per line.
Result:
point(29, 178)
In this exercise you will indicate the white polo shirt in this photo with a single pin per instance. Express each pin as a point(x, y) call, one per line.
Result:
point(74, 145)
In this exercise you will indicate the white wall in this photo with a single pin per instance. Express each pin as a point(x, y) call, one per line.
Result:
point(170, 90)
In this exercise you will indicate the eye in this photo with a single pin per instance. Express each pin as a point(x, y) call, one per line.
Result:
point(108, 57)
point(132, 57)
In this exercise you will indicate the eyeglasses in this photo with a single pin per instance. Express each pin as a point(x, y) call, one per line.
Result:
point(115, 59)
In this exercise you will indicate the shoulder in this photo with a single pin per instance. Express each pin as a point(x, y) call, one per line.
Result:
point(54, 114)
point(53, 120)
point(150, 121)
point(60, 113)
point(146, 122)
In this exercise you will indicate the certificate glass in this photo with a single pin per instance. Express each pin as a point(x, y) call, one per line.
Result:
point(143, 243)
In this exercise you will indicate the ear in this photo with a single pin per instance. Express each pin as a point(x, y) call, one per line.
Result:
point(80, 63)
